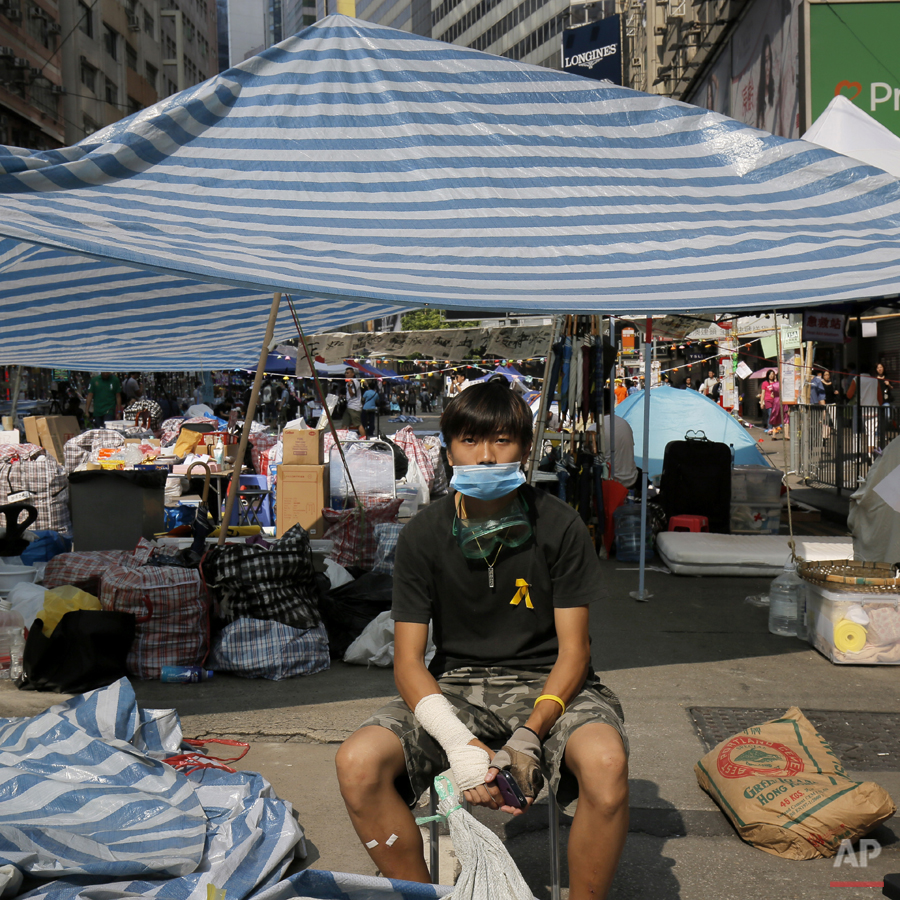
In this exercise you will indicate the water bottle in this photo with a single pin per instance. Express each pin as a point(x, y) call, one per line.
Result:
point(184, 674)
point(785, 601)
point(12, 641)
point(627, 520)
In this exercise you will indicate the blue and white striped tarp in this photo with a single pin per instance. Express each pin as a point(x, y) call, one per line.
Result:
point(356, 163)
point(65, 311)
point(87, 806)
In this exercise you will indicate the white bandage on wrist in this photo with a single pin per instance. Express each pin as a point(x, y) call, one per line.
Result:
point(438, 718)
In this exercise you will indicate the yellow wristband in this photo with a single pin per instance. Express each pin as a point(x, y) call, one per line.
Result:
point(551, 697)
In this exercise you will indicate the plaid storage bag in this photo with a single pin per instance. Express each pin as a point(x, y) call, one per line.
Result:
point(276, 583)
point(261, 648)
point(83, 570)
point(353, 534)
point(78, 449)
point(45, 479)
point(172, 615)
point(386, 536)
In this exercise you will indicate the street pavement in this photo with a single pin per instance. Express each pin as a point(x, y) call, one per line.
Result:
point(694, 643)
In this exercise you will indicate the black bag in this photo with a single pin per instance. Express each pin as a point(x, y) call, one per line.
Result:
point(87, 650)
point(347, 610)
point(401, 462)
point(696, 480)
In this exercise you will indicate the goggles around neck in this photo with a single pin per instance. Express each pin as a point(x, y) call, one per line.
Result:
point(477, 538)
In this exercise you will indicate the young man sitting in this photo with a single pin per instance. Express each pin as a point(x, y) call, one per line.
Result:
point(506, 574)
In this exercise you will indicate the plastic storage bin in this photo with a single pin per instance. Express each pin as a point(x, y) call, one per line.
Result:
point(755, 518)
point(851, 627)
point(409, 493)
point(756, 484)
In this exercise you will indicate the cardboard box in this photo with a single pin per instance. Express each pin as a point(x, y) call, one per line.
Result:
point(31, 430)
point(54, 431)
point(303, 447)
point(302, 493)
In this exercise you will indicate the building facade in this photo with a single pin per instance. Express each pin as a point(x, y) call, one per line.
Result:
point(31, 80)
point(70, 67)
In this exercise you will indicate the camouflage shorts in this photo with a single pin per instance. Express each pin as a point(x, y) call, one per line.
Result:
point(492, 703)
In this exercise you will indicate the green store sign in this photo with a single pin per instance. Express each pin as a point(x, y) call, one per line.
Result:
point(853, 51)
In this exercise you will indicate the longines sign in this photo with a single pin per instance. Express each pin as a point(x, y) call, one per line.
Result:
point(594, 50)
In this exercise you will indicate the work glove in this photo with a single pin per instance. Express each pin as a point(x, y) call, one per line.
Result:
point(521, 755)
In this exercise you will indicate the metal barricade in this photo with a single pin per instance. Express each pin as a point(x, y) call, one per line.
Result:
point(838, 444)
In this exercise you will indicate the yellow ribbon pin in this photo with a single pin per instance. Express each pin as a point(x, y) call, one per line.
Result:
point(522, 594)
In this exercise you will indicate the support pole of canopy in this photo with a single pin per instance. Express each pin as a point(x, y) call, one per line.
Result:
point(612, 400)
point(14, 400)
point(642, 594)
point(235, 488)
point(544, 408)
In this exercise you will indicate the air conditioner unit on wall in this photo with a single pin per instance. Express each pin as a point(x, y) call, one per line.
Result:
point(14, 15)
point(38, 12)
point(7, 51)
point(20, 62)
point(54, 28)
point(134, 23)
point(57, 89)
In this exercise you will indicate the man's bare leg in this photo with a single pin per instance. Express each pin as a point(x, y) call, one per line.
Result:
point(596, 756)
point(367, 764)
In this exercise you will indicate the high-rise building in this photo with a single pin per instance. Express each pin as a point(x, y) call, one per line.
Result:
point(117, 58)
point(526, 30)
point(31, 89)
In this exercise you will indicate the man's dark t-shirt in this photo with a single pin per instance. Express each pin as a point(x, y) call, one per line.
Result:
point(475, 625)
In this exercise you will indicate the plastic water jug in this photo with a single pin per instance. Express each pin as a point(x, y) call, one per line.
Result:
point(786, 599)
point(12, 641)
point(627, 519)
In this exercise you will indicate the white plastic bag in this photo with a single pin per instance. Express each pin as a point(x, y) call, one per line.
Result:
point(337, 574)
point(488, 872)
point(375, 646)
point(415, 477)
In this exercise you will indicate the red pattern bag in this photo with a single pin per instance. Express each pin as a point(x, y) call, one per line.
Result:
point(415, 449)
point(354, 540)
point(172, 613)
point(83, 570)
point(260, 444)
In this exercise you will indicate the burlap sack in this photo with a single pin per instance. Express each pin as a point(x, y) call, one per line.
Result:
point(786, 792)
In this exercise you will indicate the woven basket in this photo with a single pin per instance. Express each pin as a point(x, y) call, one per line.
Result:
point(850, 575)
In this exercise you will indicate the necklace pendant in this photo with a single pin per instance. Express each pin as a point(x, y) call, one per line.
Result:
point(491, 577)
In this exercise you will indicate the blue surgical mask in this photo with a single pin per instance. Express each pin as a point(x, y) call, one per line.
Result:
point(487, 481)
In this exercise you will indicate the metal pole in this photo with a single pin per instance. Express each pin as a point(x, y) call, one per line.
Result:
point(248, 419)
point(612, 400)
point(642, 594)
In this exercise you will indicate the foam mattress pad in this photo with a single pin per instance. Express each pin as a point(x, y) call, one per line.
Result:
point(690, 553)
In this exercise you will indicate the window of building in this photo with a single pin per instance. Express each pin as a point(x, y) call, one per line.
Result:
point(111, 41)
point(134, 105)
point(131, 59)
point(173, 88)
point(43, 98)
point(149, 24)
point(89, 76)
point(152, 73)
point(90, 126)
point(112, 92)
point(86, 20)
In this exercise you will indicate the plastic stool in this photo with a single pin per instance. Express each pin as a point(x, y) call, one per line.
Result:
point(689, 523)
point(434, 858)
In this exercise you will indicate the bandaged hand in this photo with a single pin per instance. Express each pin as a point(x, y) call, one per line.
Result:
point(521, 755)
point(469, 764)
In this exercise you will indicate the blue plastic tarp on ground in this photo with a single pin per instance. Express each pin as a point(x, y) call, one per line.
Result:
point(88, 807)
point(674, 412)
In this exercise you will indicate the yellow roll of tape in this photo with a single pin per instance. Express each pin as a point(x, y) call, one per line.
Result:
point(849, 637)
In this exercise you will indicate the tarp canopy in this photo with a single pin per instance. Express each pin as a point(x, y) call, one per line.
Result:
point(845, 128)
point(674, 412)
point(359, 164)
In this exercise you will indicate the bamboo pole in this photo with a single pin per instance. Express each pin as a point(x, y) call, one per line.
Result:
point(248, 419)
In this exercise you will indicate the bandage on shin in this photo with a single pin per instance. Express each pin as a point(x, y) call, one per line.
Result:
point(438, 718)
